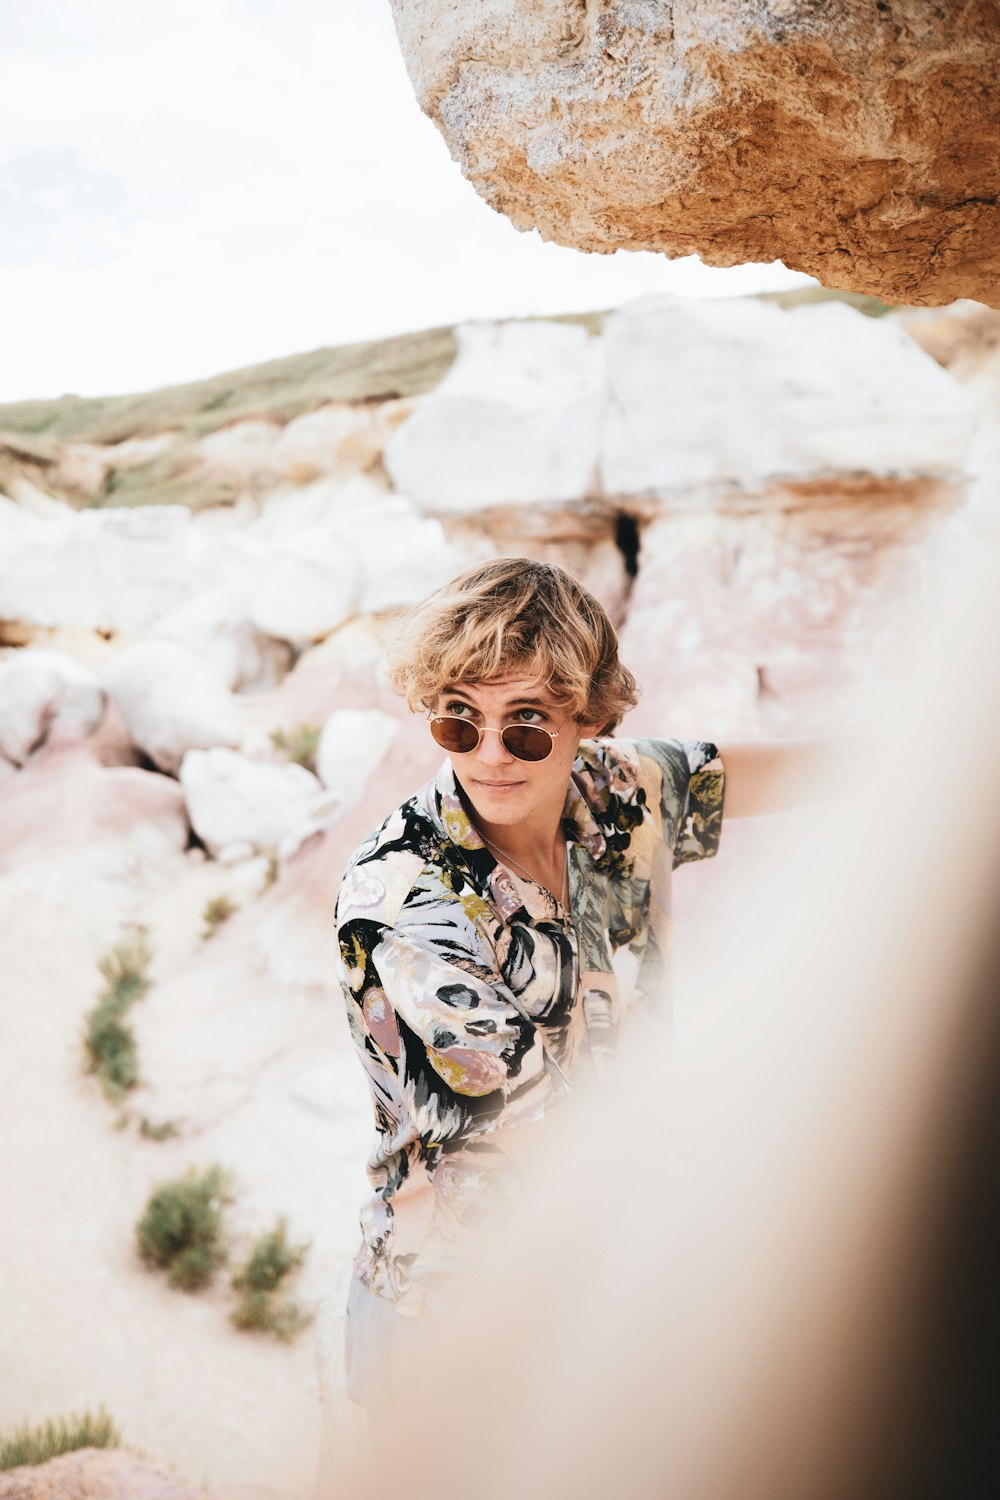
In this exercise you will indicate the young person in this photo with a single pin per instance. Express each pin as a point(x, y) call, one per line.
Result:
point(499, 928)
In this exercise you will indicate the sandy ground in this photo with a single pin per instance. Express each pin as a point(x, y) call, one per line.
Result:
point(242, 1040)
point(84, 1322)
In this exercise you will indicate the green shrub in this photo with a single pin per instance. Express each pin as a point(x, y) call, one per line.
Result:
point(108, 1039)
point(181, 1227)
point(270, 874)
point(161, 1132)
point(260, 1280)
point(299, 744)
point(218, 910)
point(36, 1445)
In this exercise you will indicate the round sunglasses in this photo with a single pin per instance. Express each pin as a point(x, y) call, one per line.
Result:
point(523, 741)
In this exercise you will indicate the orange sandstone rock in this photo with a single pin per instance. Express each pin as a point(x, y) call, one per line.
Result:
point(856, 141)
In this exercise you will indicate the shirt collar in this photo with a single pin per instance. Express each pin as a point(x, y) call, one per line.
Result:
point(588, 779)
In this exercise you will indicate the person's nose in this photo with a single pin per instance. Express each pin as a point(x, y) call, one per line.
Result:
point(492, 751)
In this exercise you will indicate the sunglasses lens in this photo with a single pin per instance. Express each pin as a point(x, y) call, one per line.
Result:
point(527, 742)
point(456, 735)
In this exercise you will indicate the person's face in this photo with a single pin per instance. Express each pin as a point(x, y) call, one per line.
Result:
point(503, 790)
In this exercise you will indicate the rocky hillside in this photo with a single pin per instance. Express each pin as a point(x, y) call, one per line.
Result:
point(194, 591)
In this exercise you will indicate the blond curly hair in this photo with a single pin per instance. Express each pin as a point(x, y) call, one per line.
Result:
point(513, 616)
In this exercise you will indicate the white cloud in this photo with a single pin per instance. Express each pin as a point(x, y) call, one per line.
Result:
point(217, 181)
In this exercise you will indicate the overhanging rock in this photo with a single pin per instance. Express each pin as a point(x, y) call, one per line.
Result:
point(856, 140)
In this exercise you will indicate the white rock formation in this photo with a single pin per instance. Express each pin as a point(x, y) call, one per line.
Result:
point(243, 451)
point(233, 801)
point(171, 701)
point(363, 561)
point(216, 627)
point(309, 587)
point(402, 555)
point(332, 437)
point(517, 418)
point(735, 393)
point(39, 688)
point(113, 570)
point(290, 509)
point(22, 523)
point(351, 746)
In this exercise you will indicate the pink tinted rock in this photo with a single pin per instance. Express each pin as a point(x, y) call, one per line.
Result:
point(769, 623)
point(113, 1474)
point(63, 797)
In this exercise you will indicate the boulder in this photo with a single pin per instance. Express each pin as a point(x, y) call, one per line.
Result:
point(402, 555)
point(361, 561)
point(76, 831)
point(110, 570)
point(729, 394)
point(216, 627)
point(39, 688)
point(309, 588)
point(232, 800)
point(351, 748)
point(290, 509)
point(516, 419)
point(775, 621)
point(243, 452)
point(346, 668)
point(859, 143)
point(337, 435)
point(172, 701)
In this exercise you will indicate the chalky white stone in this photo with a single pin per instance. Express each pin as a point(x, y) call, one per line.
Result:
point(172, 701)
point(516, 419)
point(352, 743)
point(39, 687)
point(234, 801)
point(733, 394)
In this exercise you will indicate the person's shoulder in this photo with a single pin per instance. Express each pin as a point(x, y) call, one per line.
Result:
point(607, 756)
point(384, 868)
point(675, 755)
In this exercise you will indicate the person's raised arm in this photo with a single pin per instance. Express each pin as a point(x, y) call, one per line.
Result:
point(772, 776)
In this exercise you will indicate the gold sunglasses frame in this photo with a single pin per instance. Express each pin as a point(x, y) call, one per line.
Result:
point(482, 729)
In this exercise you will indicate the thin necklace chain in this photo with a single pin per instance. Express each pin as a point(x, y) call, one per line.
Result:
point(527, 873)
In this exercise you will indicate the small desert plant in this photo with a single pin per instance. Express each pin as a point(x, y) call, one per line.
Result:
point(270, 874)
point(108, 1038)
point(36, 1445)
point(299, 744)
point(260, 1278)
point(181, 1227)
point(218, 910)
point(161, 1132)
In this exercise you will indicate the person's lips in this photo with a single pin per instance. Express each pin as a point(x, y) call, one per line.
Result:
point(497, 786)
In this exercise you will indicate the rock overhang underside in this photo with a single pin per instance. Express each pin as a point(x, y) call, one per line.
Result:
point(858, 142)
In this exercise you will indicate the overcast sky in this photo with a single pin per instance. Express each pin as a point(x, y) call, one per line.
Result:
point(191, 185)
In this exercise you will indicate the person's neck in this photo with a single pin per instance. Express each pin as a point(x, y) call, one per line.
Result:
point(531, 846)
point(538, 845)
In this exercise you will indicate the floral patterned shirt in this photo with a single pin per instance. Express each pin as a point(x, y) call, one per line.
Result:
point(473, 1000)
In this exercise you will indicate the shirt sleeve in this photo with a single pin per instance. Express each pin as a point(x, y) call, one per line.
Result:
point(450, 1041)
point(692, 792)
